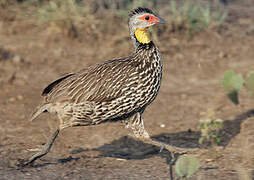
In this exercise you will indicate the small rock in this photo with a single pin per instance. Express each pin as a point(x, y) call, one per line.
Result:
point(19, 97)
point(222, 55)
point(17, 59)
point(162, 125)
point(12, 99)
point(209, 160)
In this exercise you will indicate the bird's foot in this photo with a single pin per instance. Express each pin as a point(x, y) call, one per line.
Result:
point(172, 149)
point(42, 151)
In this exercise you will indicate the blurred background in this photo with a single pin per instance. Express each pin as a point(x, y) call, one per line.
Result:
point(41, 40)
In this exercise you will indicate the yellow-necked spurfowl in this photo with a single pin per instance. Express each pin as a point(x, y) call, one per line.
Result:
point(118, 89)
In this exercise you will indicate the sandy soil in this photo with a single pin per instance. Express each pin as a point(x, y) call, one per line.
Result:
point(31, 56)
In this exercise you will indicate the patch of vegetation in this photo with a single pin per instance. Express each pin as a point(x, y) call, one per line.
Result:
point(63, 16)
point(186, 166)
point(67, 10)
point(5, 3)
point(33, 2)
point(233, 83)
point(192, 16)
point(210, 128)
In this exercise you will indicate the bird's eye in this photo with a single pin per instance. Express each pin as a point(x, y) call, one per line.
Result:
point(147, 18)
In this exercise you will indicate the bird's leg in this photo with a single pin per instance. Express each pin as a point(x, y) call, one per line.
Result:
point(45, 149)
point(136, 123)
point(170, 148)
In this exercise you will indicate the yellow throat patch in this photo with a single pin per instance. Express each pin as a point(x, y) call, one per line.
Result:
point(142, 36)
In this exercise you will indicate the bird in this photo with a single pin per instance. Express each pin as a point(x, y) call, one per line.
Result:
point(114, 90)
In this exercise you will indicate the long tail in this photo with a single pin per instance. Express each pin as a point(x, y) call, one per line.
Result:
point(40, 109)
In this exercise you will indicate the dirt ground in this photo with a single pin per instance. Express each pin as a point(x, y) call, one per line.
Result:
point(32, 56)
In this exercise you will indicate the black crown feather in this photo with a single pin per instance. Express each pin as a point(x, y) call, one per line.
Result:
point(140, 10)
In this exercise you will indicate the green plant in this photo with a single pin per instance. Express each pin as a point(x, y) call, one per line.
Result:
point(186, 166)
point(233, 83)
point(210, 128)
point(33, 2)
point(210, 16)
point(192, 16)
point(65, 10)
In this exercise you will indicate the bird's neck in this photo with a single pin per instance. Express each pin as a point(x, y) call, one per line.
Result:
point(140, 36)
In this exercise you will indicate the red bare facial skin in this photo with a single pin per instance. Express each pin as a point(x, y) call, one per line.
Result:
point(151, 19)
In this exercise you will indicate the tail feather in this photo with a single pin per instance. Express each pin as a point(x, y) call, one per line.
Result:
point(40, 109)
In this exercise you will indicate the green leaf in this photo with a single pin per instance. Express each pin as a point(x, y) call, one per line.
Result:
point(201, 140)
point(237, 82)
point(227, 77)
point(250, 83)
point(232, 83)
point(187, 165)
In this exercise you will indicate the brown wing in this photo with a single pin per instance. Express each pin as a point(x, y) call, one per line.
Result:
point(100, 83)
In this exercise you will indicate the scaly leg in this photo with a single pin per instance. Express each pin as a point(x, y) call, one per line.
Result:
point(136, 123)
point(45, 149)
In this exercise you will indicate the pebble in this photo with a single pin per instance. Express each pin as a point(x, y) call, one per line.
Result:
point(16, 59)
point(19, 97)
point(12, 99)
point(162, 125)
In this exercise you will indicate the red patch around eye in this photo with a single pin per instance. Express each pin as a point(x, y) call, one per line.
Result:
point(149, 18)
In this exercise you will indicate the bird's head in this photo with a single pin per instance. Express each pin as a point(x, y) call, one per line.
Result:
point(139, 21)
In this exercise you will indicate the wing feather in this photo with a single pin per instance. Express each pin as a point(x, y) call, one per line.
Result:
point(100, 83)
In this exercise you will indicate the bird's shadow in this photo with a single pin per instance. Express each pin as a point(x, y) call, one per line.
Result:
point(130, 148)
point(231, 128)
